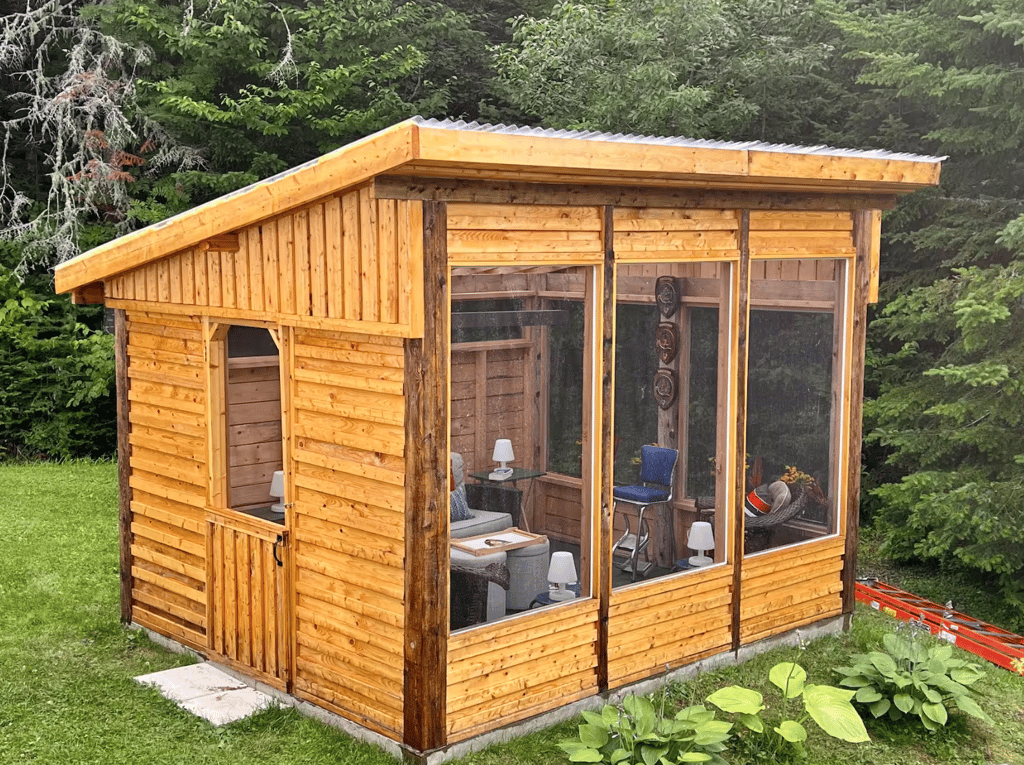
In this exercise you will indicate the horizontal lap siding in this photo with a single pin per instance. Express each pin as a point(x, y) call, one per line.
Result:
point(509, 671)
point(791, 587)
point(349, 257)
point(800, 234)
point(510, 233)
point(349, 528)
point(675, 234)
point(668, 623)
point(168, 476)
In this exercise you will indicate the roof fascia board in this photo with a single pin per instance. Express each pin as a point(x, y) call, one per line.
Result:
point(503, 150)
point(722, 166)
point(346, 166)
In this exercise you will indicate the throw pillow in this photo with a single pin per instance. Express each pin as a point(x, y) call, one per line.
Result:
point(459, 505)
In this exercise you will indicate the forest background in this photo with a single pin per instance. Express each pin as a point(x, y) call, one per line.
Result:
point(119, 113)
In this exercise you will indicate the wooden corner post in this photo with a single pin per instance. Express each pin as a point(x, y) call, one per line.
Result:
point(426, 499)
point(604, 530)
point(741, 426)
point(124, 467)
point(866, 243)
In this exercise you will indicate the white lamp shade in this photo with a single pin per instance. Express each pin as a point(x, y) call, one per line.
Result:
point(277, 484)
point(701, 536)
point(562, 569)
point(503, 451)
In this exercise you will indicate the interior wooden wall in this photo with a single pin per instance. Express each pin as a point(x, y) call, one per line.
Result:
point(254, 429)
point(347, 257)
point(492, 389)
point(349, 525)
point(168, 476)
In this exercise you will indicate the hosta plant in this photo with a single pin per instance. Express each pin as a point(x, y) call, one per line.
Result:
point(636, 734)
point(909, 678)
point(829, 707)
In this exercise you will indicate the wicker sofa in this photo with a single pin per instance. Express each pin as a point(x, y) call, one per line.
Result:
point(467, 586)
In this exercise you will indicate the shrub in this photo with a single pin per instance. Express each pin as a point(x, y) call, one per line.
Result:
point(636, 734)
point(56, 376)
point(829, 707)
point(911, 679)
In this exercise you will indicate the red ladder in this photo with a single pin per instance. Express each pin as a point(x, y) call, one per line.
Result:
point(998, 646)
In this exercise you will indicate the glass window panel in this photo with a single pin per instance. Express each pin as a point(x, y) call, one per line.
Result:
point(793, 381)
point(668, 396)
point(520, 372)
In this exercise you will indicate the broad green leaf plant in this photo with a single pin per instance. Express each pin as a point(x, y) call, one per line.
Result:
point(910, 679)
point(829, 707)
point(637, 734)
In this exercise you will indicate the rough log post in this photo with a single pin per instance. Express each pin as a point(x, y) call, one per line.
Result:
point(741, 427)
point(426, 494)
point(865, 243)
point(604, 540)
point(124, 499)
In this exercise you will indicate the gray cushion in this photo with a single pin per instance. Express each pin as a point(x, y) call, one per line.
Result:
point(481, 522)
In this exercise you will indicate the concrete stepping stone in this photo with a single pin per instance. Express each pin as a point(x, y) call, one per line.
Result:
point(208, 692)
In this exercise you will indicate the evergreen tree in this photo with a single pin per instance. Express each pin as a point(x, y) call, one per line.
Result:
point(945, 77)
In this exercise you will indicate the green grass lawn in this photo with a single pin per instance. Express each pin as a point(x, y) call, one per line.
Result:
point(66, 664)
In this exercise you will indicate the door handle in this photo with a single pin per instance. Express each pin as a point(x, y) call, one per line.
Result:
point(280, 541)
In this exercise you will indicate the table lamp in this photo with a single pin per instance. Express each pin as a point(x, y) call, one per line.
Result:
point(503, 454)
point(561, 573)
point(700, 538)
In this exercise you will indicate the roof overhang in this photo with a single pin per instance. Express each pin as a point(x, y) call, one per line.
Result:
point(428, 148)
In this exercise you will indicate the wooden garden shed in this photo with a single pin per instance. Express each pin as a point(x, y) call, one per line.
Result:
point(366, 326)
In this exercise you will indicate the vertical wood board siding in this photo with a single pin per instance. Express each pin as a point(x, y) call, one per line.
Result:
point(349, 525)
point(249, 623)
point(504, 672)
point(349, 256)
point(168, 476)
point(507, 233)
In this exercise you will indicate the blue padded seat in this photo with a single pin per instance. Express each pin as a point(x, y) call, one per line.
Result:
point(642, 495)
point(657, 476)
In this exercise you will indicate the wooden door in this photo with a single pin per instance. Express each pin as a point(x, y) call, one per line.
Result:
point(248, 595)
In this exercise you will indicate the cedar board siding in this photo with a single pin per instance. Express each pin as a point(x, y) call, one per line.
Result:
point(800, 235)
point(520, 234)
point(249, 595)
point(349, 525)
point(168, 475)
point(348, 257)
point(668, 234)
point(504, 672)
point(789, 588)
point(668, 622)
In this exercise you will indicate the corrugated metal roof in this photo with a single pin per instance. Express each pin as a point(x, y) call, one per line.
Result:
point(697, 143)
